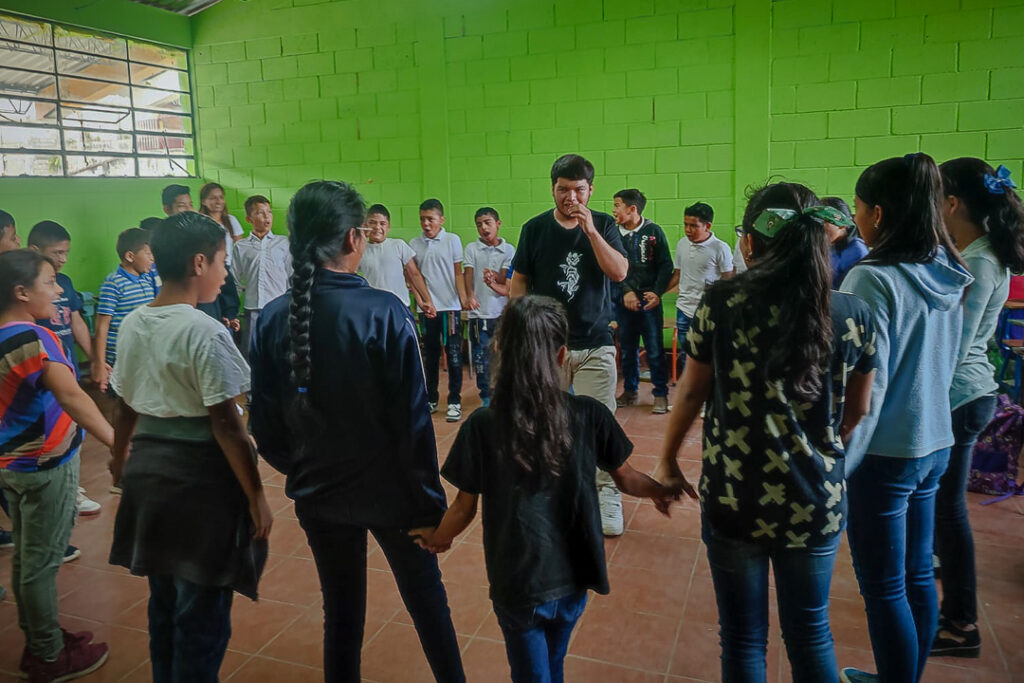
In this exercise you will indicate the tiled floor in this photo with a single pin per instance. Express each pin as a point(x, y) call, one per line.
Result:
point(658, 624)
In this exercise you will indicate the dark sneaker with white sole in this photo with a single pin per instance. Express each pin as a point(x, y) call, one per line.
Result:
point(951, 641)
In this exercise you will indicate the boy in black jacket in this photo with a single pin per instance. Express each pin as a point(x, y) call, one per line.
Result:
point(638, 311)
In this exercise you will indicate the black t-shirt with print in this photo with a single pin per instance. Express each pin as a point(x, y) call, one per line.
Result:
point(773, 469)
point(560, 263)
point(540, 543)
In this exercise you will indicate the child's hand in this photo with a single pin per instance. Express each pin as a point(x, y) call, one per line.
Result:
point(630, 301)
point(472, 303)
point(429, 310)
point(651, 300)
point(102, 375)
point(262, 518)
point(233, 324)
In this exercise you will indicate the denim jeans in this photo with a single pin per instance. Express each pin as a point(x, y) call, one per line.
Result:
point(683, 326)
point(891, 526)
point(447, 326)
point(480, 333)
point(189, 629)
point(43, 507)
point(537, 638)
point(634, 325)
point(954, 542)
point(739, 570)
point(340, 554)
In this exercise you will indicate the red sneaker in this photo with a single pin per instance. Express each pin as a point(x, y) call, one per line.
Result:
point(77, 659)
point(83, 637)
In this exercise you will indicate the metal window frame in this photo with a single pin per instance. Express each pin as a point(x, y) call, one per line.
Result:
point(60, 102)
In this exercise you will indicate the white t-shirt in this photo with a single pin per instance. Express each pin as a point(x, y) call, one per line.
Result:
point(737, 258)
point(236, 230)
point(699, 265)
point(383, 266)
point(479, 257)
point(436, 259)
point(176, 361)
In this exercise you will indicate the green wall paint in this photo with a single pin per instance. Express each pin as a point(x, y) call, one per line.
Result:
point(470, 102)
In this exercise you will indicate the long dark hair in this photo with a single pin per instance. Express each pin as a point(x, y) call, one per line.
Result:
point(530, 412)
point(909, 190)
point(999, 215)
point(204, 192)
point(18, 268)
point(320, 216)
point(791, 271)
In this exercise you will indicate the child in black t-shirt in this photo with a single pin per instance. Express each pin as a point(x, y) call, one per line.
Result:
point(532, 456)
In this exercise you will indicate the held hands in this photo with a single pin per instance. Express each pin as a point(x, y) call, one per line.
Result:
point(670, 476)
point(233, 324)
point(429, 310)
point(630, 301)
point(488, 276)
point(651, 300)
point(472, 303)
point(424, 538)
point(102, 375)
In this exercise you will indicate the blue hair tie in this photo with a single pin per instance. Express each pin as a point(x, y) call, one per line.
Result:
point(302, 390)
point(997, 184)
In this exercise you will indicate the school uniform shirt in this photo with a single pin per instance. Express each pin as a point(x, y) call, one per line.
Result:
point(699, 265)
point(199, 365)
point(383, 266)
point(374, 462)
point(120, 294)
point(542, 541)
point(773, 463)
point(479, 257)
point(436, 258)
point(35, 432)
point(263, 268)
point(560, 263)
point(68, 303)
point(229, 241)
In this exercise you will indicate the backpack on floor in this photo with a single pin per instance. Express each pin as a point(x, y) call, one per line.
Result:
point(995, 460)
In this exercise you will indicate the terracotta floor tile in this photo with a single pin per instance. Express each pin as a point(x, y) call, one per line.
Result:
point(643, 590)
point(656, 553)
point(396, 655)
point(301, 642)
point(469, 606)
point(485, 660)
point(599, 635)
point(697, 653)
point(382, 598)
point(580, 669)
point(292, 580)
point(105, 596)
point(254, 624)
point(464, 564)
point(265, 670)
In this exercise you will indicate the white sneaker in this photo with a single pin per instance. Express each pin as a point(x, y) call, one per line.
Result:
point(86, 506)
point(432, 407)
point(610, 501)
point(454, 413)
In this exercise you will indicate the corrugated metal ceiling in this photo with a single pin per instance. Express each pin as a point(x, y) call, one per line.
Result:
point(186, 7)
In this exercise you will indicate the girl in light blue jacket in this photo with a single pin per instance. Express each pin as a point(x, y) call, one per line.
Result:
point(913, 281)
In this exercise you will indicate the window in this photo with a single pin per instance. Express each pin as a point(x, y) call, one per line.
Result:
point(78, 103)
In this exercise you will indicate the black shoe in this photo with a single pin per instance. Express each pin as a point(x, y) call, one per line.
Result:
point(953, 642)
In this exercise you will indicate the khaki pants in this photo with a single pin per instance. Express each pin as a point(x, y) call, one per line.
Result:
point(591, 372)
point(43, 510)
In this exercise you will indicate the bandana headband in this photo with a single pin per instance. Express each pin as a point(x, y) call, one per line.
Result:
point(771, 221)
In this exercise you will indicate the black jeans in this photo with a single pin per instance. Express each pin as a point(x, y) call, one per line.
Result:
point(340, 554)
point(189, 630)
point(954, 542)
point(445, 329)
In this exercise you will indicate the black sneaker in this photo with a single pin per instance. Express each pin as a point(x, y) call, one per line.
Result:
point(71, 553)
point(953, 642)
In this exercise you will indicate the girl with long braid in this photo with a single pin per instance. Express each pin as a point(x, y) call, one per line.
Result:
point(345, 418)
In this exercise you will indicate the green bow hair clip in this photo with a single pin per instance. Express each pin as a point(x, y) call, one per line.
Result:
point(771, 221)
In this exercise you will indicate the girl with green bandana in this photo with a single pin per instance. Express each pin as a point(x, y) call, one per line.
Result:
point(786, 365)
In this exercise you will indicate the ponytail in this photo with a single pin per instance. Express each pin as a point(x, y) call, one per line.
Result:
point(320, 216)
point(997, 209)
point(792, 271)
point(909, 191)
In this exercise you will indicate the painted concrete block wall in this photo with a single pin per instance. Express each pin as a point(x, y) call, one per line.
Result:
point(856, 82)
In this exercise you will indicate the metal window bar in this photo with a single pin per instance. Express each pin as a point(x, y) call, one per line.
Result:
point(80, 46)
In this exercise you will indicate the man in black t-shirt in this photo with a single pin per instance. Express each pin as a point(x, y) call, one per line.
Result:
point(573, 254)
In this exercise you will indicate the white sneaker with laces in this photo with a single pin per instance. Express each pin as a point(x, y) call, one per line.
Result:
point(454, 413)
point(610, 501)
point(86, 506)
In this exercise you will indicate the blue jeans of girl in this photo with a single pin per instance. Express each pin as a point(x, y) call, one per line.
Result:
point(802, 579)
point(891, 527)
point(537, 638)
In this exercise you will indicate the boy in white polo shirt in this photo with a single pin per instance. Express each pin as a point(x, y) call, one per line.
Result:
point(439, 258)
point(389, 263)
point(700, 259)
point(486, 258)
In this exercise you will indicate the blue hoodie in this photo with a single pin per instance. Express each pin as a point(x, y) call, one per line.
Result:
point(918, 320)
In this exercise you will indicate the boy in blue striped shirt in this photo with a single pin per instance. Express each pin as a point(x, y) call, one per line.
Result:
point(124, 290)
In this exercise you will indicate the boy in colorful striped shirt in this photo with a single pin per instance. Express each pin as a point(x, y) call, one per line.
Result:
point(124, 290)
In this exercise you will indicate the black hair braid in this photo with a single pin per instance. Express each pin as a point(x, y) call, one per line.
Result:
point(300, 318)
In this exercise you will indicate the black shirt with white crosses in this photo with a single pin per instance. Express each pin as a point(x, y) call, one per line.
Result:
point(773, 469)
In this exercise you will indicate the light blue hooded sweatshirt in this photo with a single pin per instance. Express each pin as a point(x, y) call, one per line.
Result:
point(918, 315)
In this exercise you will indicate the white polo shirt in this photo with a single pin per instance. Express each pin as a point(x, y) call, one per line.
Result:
point(383, 266)
point(480, 257)
point(436, 259)
point(699, 265)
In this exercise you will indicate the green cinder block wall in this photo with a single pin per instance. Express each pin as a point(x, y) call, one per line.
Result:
point(472, 101)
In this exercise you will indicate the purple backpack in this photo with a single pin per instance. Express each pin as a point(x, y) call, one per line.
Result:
point(994, 463)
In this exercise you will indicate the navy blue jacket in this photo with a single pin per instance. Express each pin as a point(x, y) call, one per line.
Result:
point(374, 462)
